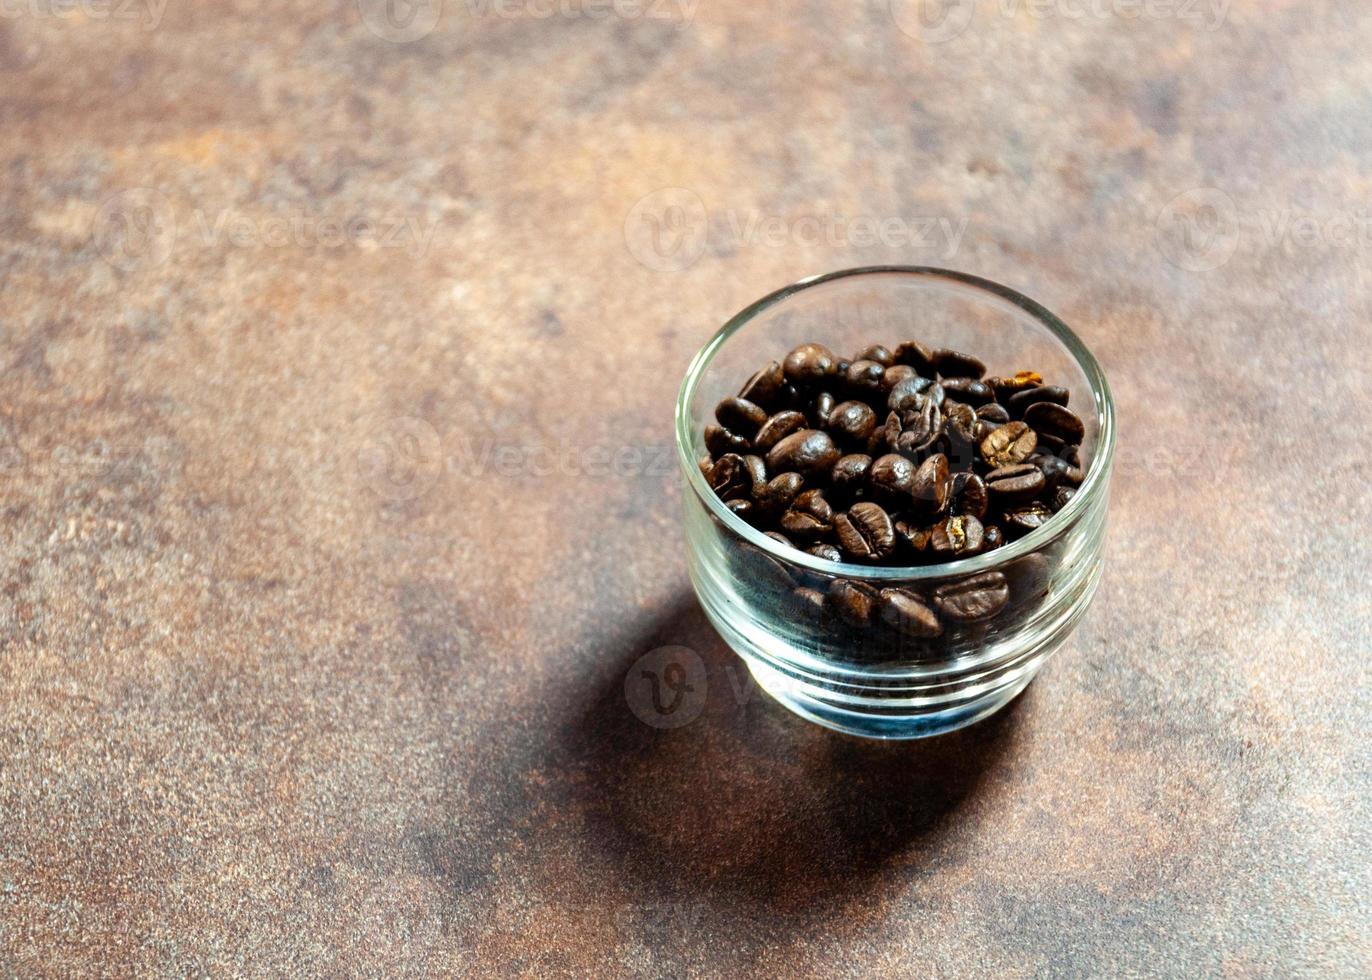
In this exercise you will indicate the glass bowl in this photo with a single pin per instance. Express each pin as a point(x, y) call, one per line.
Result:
point(764, 598)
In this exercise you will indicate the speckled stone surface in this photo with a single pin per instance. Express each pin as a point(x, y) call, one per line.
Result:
point(299, 676)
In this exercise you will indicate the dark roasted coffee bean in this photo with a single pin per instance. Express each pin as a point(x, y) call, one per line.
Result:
point(915, 354)
point(743, 508)
point(915, 537)
point(1022, 519)
point(877, 353)
point(1010, 443)
point(992, 537)
point(1062, 496)
point(993, 412)
point(852, 423)
point(720, 441)
point(809, 517)
point(849, 475)
point(812, 603)
point(931, 486)
point(955, 364)
point(757, 473)
point(779, 538)
point(765, 388)
point(1019, 481)
point(895, 374)
point(972, 599)
point(843, 367)
point(809, 365)
point(892, 477)
point(1076, 472)
point(1054, 468)
point(824, 405)
point(826, 551)
point(1005, 387)
point(920, 428)
point(706, 465)
point(968, 495)
point(969, 391)
point(809, 452)
point(775, 497)
point(740, 415)
point(730, 479)
point(1019, 402)
point(778, 427)
point(865, 532)
point(853, 602)
point(909, 394)
point(865, 379)
point(1055, 420)
point(956, 537)
point(907, 612)
point(961, 429)
point(1027, 578)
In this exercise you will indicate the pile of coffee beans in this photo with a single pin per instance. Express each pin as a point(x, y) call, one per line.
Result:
point(898, 456)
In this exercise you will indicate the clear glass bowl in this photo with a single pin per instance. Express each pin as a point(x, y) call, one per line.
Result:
point(873, 680)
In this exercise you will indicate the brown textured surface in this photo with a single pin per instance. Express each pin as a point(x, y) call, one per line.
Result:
point(262, 710)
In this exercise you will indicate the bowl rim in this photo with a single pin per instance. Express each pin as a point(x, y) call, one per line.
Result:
point(1093, 487)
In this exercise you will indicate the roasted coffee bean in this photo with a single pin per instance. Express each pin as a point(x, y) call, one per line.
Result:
point(809, 365)
point(1020, 401)
point(777, 494)
point(757, 474)
point(853, 602)
point(1055, 420)
point(877, 353)
point(895, 374)
point(1062, 496)
point(740, 415)
point(779, 538)
point(824, 406)
point(915, 354)
point(915, 537)
point(961, 428)
point(719, 441)
point(1005, 387)
point(992, 537)
point(956, 537)
point(972, 599)
point(810, 516)
point(852, 423)
point(892, 478)
point(813, 604)
point(809, 452)
point(706, 465)
point(931, 486)
point(778, 427)
point(994, 412)
point(849, 475)
point(730, 478)
point(909, 394)
point(955, 364)
point(918, 430)
point(743, 508)
point(1019, 481)
point(865, 532)
point(826, 551)
point(907, 612)
point(1054, 468)
point(1027, 578)
point(865, 379)
point(765, 388)
point(969, 391)
point(1010, 443)
point(968, 495)
point(1022, 519)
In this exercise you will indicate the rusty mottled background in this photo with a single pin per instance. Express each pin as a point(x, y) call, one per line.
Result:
point(300, 674)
